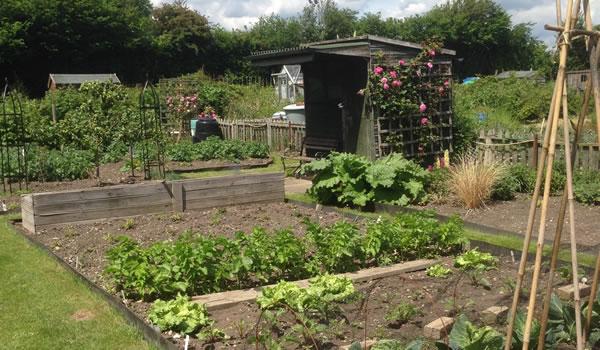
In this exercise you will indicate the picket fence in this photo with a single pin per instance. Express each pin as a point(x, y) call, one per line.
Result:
point(279, 135)
point(499, 145)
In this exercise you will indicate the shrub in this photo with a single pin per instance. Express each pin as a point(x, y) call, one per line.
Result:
point(216, 148)
point(349, 179)
point(179, 315)
point(524, 177)
point(587, 187)
point(505, 188)
point(472, 180)
point(55, 165)
point(438, 185)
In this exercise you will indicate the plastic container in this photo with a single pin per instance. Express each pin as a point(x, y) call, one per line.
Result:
point(206, 127)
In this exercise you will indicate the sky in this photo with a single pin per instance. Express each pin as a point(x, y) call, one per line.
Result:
point(239, 13)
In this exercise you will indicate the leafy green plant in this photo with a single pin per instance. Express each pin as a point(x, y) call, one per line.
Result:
point(309, 308)
point(475, 260)
point(438, 271)
point(437, 186)
point(215, 148)
point(349, 179)
point(336, 248)
point(179, 315)
point(467, 336)
point(402, 313)
point(587, 187)
point(55, 165)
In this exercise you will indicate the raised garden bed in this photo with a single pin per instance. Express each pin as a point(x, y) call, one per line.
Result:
point(83, 246)
point(199, 165)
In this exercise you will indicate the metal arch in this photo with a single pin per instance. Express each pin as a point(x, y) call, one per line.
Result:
point(151, 132)
point(13, 141)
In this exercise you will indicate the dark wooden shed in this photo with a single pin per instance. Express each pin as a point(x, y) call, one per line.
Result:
point(335, 70)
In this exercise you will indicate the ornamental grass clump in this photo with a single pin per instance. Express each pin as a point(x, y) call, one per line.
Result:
point(472, 179)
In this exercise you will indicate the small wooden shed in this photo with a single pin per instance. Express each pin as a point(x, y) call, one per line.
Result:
point(576, 79)
point(335, 70)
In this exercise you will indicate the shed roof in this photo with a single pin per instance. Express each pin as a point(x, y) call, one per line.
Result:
point(78, 79)
point(338, 46)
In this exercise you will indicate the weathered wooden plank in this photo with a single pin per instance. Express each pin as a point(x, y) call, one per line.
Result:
point(178, 196)
point(105, 203)
point(233, 180)
point(223, 300)
point(234, 200)
point(235, 190)
point(99, 193)
point(58, 218)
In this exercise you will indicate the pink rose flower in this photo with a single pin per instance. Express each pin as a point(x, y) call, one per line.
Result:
point(430, 168)
point(429, 65)
point(401, 62)
point(396, 83)
point(361, 92)
point(424, 121)
point(386, 86)
point(431, 53)
point(422, 107)
point(393, 74)
point(384, 80)
point(441, 90)
point(378, 70)
point(420, 148)
point(446, 83)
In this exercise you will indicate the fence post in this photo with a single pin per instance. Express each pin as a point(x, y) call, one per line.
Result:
point(488, 153)
point(289, 133)
point(534, 151)
point(269, 137)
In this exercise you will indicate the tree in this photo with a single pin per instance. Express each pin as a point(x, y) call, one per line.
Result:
point(183, 36)
point(323, 20)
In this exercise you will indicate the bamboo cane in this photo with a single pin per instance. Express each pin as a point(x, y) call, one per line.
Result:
point(592, 297)
point(528, 232)
point(561, 220)
point(573, 240)
point(560, 79)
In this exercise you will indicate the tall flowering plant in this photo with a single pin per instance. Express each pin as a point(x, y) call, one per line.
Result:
point(182, 108)
point(409, 90)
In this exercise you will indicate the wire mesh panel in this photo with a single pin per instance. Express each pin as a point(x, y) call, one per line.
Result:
point(13, 142)
point(151, 142)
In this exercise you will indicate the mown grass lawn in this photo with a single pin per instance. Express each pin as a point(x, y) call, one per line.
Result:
point(43, 306)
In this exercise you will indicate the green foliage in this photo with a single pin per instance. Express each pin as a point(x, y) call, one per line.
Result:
point(336, 248)
point(216, 148)
point(202, 264)
point(348, 179)
point(467, 336)
point(55, 165)
point(504, 189)
point(410, 236)
point(402, 313)
point(311, 309)
point(474, 260)
point(438, 271)
point(179, 315)
point(437, 186)
point(587, 187)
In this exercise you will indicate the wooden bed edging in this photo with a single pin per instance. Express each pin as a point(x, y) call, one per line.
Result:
point(53, 208)
point(222, 300)
point(149, 333)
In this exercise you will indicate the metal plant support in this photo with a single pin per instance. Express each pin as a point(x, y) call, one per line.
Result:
point(151, 137)
point(13, 142)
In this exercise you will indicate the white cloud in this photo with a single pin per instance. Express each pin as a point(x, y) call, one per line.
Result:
point(240, 13)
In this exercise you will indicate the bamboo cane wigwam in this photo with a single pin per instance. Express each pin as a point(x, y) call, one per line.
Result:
point(567, 33)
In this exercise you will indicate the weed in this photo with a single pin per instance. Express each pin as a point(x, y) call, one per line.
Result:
point(177, 217)
point(129, 224)
point(438, 271)
point(402, 313)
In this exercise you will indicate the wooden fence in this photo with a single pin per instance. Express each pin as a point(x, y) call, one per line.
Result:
point(43, 209)
point(279, 135)
point(498, 145)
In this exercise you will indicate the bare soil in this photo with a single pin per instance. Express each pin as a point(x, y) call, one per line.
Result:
point(84, 246)
point(512, 216)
